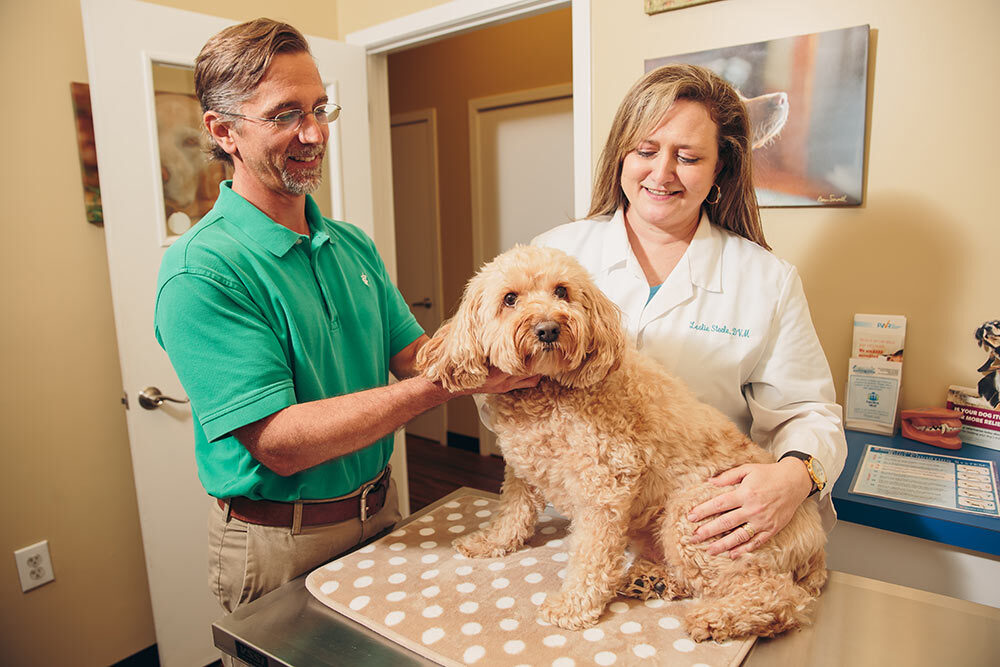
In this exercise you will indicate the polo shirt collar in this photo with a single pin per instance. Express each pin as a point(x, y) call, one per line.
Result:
point(703, 256)
point(275, 238)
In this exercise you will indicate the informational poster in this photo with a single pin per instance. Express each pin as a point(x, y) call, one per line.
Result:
point(934, 480)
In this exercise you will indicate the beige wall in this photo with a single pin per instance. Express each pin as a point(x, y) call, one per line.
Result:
point(445, 75)
point(68, 475)
point(358, 14)
point(313, 17)
point(923, 244)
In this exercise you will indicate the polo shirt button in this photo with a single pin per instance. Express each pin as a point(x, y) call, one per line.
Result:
point(298, 241)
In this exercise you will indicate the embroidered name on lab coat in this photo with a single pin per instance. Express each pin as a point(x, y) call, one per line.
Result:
point(737, 332)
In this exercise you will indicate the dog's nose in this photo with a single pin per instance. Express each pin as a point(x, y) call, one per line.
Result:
point(547, 332)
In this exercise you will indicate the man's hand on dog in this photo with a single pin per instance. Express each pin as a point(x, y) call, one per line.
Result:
point(498, 382)
point(765, 497)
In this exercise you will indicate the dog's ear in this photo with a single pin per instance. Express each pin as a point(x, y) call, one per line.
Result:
point(606, 344)
point(455, 356)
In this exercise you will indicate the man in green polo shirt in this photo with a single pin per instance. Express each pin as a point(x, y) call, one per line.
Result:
point(283, 327)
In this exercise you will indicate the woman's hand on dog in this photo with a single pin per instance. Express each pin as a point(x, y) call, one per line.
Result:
point(765, 496)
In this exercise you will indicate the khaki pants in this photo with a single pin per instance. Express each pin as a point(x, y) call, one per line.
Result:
point(245, 561)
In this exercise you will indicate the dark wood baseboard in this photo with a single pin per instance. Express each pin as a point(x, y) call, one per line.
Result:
point(150, 657)
point(147, 657)
point(464, 442)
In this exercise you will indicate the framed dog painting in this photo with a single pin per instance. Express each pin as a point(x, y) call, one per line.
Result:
point(807, 97)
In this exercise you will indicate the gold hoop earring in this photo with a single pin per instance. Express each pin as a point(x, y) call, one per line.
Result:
point(718, 194)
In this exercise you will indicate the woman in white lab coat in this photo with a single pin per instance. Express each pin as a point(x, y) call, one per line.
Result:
point(674, 238)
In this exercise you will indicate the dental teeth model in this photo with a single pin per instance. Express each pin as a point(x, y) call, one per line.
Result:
point(934, 426)
point(944, 429)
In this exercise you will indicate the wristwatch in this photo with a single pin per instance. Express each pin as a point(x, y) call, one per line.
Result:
point(813, 467)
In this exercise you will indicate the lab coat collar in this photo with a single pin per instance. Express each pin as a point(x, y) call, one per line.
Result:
point(702, 259)
point(700, 267)
point(705, 255)
point(616, 249)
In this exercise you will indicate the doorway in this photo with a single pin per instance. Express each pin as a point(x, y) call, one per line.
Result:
point(449, 76)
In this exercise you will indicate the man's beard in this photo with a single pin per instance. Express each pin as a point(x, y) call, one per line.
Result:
point(302, 181)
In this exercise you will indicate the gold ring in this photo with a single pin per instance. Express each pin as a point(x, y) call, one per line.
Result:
point(750, 531)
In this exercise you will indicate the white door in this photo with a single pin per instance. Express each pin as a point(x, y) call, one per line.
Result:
point(521, 159)
point(124, 39)
point(418, 236)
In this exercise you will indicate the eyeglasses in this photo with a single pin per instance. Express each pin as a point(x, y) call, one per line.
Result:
point(292, 120)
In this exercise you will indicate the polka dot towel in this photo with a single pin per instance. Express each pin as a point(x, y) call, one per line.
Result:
point(413, 588)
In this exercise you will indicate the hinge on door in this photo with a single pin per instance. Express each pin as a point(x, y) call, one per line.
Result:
point(125, 399)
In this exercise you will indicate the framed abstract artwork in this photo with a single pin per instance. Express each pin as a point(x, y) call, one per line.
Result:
point(80, 94)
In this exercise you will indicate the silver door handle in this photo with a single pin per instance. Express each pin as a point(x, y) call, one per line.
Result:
point(151, 398)
point(426, 303)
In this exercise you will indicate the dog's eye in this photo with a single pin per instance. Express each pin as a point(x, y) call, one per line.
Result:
point(510, 298)
point(561, 292)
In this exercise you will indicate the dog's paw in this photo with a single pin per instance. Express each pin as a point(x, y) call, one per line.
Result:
point(479, 545)
point(644, 588)
point(647, 580)
point(572, 612)
point(706, 623)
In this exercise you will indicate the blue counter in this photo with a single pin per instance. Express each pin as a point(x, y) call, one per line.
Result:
point(960, 529)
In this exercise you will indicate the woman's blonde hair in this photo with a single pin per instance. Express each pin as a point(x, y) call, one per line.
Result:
point(643, 110)
point(233, 62)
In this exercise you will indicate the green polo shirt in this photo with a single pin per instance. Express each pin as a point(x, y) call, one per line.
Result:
point(256, 317)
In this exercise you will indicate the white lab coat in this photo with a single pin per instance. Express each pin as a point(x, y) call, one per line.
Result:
point(732, 321)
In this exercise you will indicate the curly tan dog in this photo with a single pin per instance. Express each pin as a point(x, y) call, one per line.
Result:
point(621, 447)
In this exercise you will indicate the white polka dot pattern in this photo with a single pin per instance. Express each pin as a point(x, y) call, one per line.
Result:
point(513, 647)
point(684, 645)
point(413, 586)
point(606, 658)
point(643, 651)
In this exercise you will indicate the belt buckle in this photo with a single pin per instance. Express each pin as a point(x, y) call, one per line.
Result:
point(368, 489)
point(364, 501)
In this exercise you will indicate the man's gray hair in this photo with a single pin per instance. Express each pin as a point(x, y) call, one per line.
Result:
point(232, 63)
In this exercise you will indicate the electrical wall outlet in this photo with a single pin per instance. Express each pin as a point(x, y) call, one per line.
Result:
point(34, 565)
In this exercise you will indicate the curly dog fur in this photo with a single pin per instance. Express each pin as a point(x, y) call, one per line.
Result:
point(618, 445)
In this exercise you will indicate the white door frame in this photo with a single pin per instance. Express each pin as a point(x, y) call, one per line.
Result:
point(480, 253)
point(429, 116)
point(447, 20)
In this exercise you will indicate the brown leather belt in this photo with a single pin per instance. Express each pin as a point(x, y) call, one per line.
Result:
point(364, 504)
